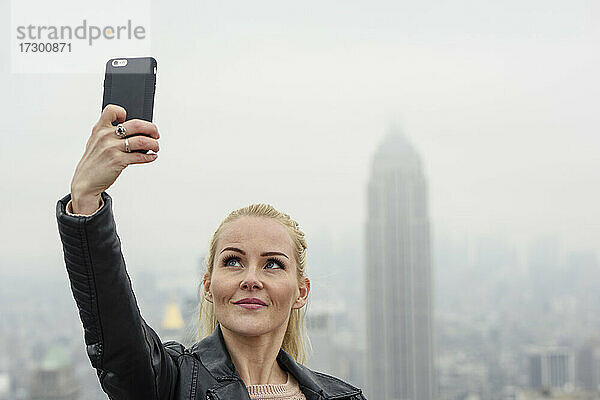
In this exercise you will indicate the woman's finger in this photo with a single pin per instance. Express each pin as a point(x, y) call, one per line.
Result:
point(136, 126)
point(139, 158)
point(111, 113)
point(138, 143)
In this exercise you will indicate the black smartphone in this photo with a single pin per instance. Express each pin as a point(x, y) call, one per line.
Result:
point(131, 84)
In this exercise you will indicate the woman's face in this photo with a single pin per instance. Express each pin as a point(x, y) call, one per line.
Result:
point(254, 258)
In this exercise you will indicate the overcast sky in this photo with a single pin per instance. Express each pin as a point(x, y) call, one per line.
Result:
point(285, 102)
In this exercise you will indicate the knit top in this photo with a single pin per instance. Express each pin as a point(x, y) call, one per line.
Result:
point(290, 390)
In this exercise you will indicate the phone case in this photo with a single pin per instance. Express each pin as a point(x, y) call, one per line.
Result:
point(132, 87)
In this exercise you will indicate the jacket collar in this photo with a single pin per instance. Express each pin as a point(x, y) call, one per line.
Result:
point(213, 354)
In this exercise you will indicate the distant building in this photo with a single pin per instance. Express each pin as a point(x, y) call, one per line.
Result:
point(334, 351)
point(172, 323)
point(551, 368)
point(322, 336)
point(4, 385)
point(398, 276)
point(461, 378)
point(588, 365)
point(54, 379)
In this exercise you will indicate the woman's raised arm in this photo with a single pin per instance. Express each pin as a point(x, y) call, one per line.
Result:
point(129, 357)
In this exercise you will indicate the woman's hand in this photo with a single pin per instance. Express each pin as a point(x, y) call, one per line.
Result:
point(105, 157)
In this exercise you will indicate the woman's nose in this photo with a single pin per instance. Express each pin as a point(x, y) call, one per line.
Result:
point(250, 280)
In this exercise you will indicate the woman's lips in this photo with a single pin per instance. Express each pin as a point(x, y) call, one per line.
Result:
point(250, 306)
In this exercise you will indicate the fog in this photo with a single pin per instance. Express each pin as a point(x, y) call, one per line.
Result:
point(286, 103)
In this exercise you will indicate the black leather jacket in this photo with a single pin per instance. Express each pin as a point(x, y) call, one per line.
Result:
point(129, 357)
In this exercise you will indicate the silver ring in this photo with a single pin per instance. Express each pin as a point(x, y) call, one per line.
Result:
point(121, 131)
point(127, 149)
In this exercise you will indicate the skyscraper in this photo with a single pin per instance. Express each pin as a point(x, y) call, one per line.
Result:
point(551, 367)
point(398, 275)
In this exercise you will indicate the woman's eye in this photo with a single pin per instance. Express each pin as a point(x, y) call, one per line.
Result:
point(273, 263)
point(231, 261)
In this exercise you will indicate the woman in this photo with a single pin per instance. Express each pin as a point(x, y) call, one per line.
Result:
point(253, 293)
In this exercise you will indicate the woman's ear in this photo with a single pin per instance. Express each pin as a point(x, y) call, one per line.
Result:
point(303, 295)
point(206, 285)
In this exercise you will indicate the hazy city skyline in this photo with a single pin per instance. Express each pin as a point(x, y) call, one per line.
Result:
point(287, 108)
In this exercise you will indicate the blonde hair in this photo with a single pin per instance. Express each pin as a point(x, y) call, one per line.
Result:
point(295, 334)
